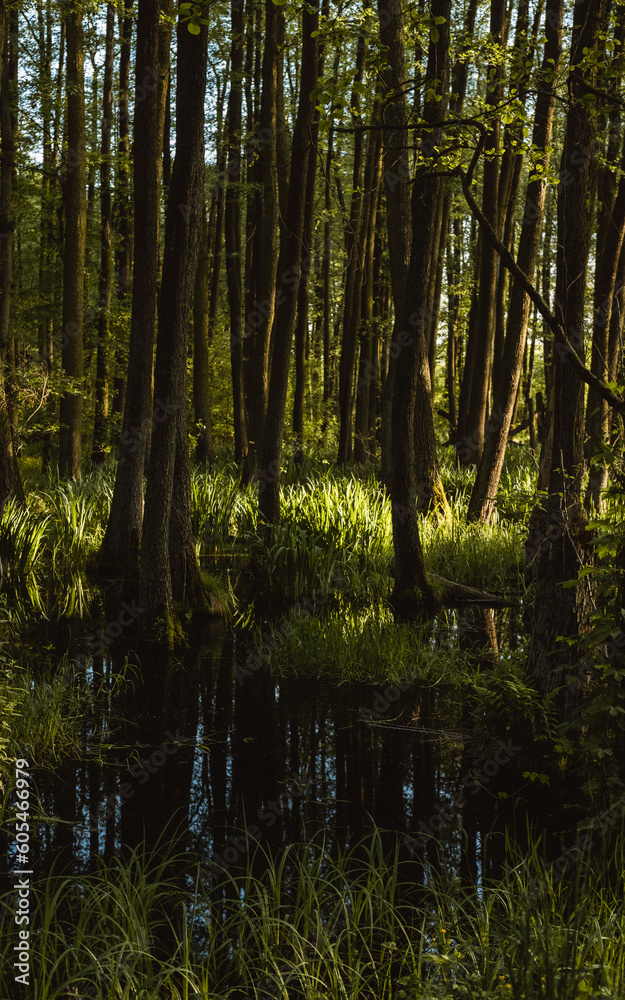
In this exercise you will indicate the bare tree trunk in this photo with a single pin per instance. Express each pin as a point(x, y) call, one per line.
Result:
point(482, 501)
point(99, 454)
point(152, 66)
point(412, 401)
point(353, 276)
point(233, 232)
point(122, 207)
point(289, 271)
point(560, 611)
point(259, 321)
point(484, 328)
point(610, 231)
point(70, 444)
point(204, 452)
point(168, 563)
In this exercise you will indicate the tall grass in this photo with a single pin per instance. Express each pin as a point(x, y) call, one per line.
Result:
point(312, 924)
point(363, 646)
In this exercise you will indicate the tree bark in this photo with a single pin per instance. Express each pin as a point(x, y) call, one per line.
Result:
point(204, 452)
point(122, 207)
point(260, 318)
point(99, 453)
point(396, 182)
point(10, 481)
point(565, 550)
point(289, 273)
point(610, 232)
point(168, 561)
point(152, 66)
point(353, 275)
point(482, 502)
point(473, 441)
point(233, 232)
point(412, 401)
point(70, 443)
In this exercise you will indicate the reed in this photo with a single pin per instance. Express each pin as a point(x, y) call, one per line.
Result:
point(312, 923)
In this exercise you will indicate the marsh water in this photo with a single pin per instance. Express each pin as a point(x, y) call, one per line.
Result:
point(211, 755)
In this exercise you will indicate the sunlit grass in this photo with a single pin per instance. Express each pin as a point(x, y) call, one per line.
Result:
point(312, 923)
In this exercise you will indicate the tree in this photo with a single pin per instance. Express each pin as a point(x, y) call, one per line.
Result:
point(151, 68)
point(484, 491)
point(75, 171)
point(289, 273)
point(100, 430)
point(412, 401)
point(168, 561)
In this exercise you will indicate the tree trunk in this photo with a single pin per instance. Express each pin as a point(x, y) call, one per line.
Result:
point(233, 232)
point(100, 429)
point(412, 401)
point(365, 312)
point(559, 611)
point(122, 207)
point(10, 481)
point(289, 272)
point(152, 66)
point(7, 208)
point(353, 276)
point(70, 445)
point(610, 231)
point(168, 562)
point(484, 328)
point(260, 318)
point(46, 228)
point(303, 294)
point(204, 452)
point(482, 502)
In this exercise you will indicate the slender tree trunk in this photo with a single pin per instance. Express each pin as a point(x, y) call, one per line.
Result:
point(100, 430)
point(233, 232)
point(10, 481)
point(70, 444)
point(610, 230)
point(365, 313)
point(7, 208)
point(289, 271)
point(482, 502)
point(122, 207)
point(168, 562)
point(412, 401)
point(152, 66)
point(560, 611)
point(204, 452)
point(303, 294)
point(453, 309)
point(484, 328)
point(259, 321)
point(353, 275)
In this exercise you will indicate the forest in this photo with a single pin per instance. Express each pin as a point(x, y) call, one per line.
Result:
point(312, 402)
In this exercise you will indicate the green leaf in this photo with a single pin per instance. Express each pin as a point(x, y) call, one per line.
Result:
point(194, 28)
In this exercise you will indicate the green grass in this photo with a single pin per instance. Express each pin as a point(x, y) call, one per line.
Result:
point(309, 924)
point(360, 647)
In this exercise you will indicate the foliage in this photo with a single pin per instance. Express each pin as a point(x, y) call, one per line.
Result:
point(313, 923)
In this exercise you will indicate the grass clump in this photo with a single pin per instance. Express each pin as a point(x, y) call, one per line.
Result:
point(311, 923)
point(360, 646)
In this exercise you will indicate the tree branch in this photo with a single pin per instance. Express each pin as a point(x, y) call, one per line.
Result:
point(567, 352)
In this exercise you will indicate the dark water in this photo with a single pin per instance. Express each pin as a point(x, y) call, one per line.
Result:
point(212, 755)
